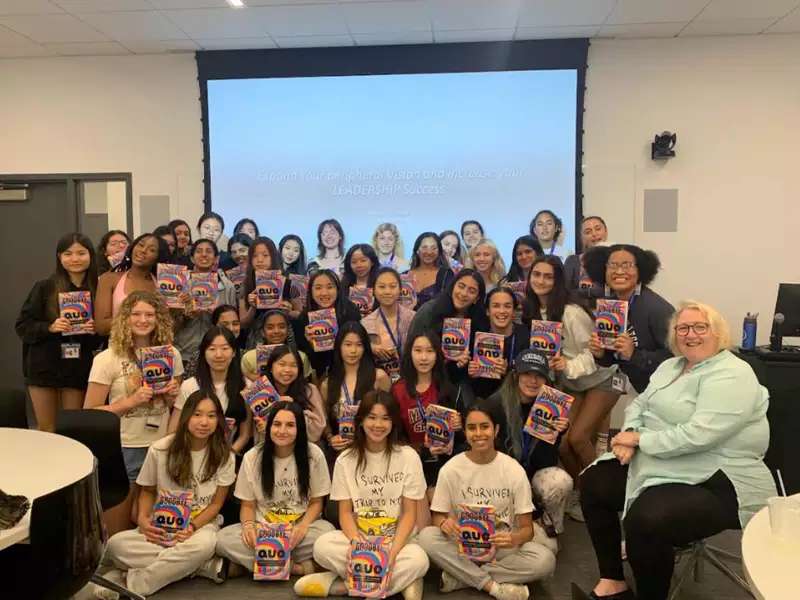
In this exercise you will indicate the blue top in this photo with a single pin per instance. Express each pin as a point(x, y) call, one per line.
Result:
point(713, 417)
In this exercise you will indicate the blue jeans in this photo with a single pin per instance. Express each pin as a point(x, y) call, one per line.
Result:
point(134, 459)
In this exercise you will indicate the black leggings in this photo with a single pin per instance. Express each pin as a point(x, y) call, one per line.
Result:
point(661, 518)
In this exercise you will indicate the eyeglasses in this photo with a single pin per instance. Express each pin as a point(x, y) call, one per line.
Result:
point(621, 266)
point(699, 328)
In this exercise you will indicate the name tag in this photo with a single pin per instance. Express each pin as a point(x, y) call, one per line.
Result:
point(71, 351)
point(619, 382)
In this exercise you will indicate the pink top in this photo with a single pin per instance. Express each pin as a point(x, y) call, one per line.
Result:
point(118, 295)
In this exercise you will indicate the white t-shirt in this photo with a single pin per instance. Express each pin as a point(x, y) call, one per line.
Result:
point(154, 473)
point(190, 386)
point(377, 491)
point(124, 377)
point(501, 484)
point(285, 505)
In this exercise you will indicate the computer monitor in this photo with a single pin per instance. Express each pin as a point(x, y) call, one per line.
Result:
point(788, 303)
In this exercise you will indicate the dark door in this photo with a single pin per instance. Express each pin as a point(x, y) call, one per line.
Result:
point(29, 229)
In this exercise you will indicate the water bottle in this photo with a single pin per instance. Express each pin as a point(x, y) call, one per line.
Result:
point(749, 330)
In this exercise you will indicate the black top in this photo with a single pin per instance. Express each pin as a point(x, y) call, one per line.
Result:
point(42, 364)
point(443, 278)
point(321, 361)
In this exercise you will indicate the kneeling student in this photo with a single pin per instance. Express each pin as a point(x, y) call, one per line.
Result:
point(196, 460)
point(483, 477)
point(377, 482)
point(283, 480)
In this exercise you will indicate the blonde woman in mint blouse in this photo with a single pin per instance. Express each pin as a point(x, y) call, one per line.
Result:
point(688, 464)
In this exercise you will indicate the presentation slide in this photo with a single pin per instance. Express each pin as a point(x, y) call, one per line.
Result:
point(423, 151)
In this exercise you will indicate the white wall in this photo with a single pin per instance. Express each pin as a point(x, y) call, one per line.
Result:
point(138, 114)
point(735, 105)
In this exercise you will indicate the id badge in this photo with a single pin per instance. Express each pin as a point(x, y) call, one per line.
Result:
point(70, 351)
point(619, 382)
point(154, 419)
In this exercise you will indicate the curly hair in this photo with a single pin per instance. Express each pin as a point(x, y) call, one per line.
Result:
point(121, 340)
point(595, 260)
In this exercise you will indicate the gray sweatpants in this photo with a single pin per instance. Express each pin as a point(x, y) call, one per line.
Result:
point(150, 567)
point(231, 546)
point(530, 562)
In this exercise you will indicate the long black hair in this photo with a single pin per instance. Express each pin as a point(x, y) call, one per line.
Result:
point(408, 372)
point(393, 440)
point(300, 451)
point(298, 389)
point(441, 261)
point(342, 304)
point(250, 277)
point(349, 278)
point(365, 379)
point(443, 304)
point(173, 225)
point(240, 238)
point(557, 299)
point(491, 410)
point(557, 222)
point(233, 378)
point(61, 281)
point(237, 229)
point(298, 267)
point(515, 272)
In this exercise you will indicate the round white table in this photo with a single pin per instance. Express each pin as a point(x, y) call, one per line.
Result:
point(33, 464)
point(771, 565)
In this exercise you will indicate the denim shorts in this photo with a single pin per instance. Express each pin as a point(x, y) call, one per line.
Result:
point(134, 459)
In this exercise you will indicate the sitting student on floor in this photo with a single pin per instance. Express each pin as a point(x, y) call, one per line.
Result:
point(484, 478)
point(195, 467)
point(288, 487)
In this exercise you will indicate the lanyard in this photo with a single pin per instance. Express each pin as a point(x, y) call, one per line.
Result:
point(347, 399)
point(511, 348)
point(398, 342)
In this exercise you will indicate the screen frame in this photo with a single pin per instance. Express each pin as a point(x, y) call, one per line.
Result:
point(467, 57)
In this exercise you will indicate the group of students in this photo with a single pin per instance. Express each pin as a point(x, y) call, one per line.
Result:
point(196, 435)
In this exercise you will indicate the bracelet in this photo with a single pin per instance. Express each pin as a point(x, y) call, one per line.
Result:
point(250, 523)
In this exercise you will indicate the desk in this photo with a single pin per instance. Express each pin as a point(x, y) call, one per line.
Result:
point(33, 464)
point(770, 564)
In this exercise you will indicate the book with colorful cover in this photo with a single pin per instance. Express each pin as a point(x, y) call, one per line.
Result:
point(237, 275)
point(158, 365)
point(455, 337)
point(298, 291)
point(546, 417)
point(263, 352)
point(347, 421)
point(610, 320)
point(204, 289)
point(76, 307)
point(367, 567)
point(260, 395)
point(363, 298)
point(439, 427)
point(323, 328)
point(477, 526)
point(488, 354)
point(171, 282)
point(273, 552)
point(408, 295)
point(269, 289)
point(172, 512)
point(546, 336)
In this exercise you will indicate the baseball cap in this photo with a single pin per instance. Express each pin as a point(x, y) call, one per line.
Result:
point(533, 361)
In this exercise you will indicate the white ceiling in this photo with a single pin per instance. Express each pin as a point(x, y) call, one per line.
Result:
point(102, 27)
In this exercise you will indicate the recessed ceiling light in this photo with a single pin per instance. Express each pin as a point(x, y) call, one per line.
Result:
point(235, 3)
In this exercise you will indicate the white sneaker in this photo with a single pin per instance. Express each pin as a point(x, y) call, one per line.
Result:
point(574, 510)
point(449, 583)
point(510, 591)
point(102, 593)
point(317, 585)
point(413, 591)
point(212, 569)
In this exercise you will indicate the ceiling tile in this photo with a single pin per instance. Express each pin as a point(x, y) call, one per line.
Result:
point(641, 30)
point(473, 35)
point(550, 13)
point(732, 27)
point(655, 11)
point(393, 38)
point(302, 20)
point(314, 41)
point(215, 23)
point(88, 49)
point(28, 7)
point(546, 33)
point(160, 46)
point(12, 38)
point(731, 10)
point(377, 17)
point(29, 50)
point(87, 6)
point(53, 28)
point(236, 43)
point(474, 14)
point(185, 4)
point(788, 24)
point(134, 25)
